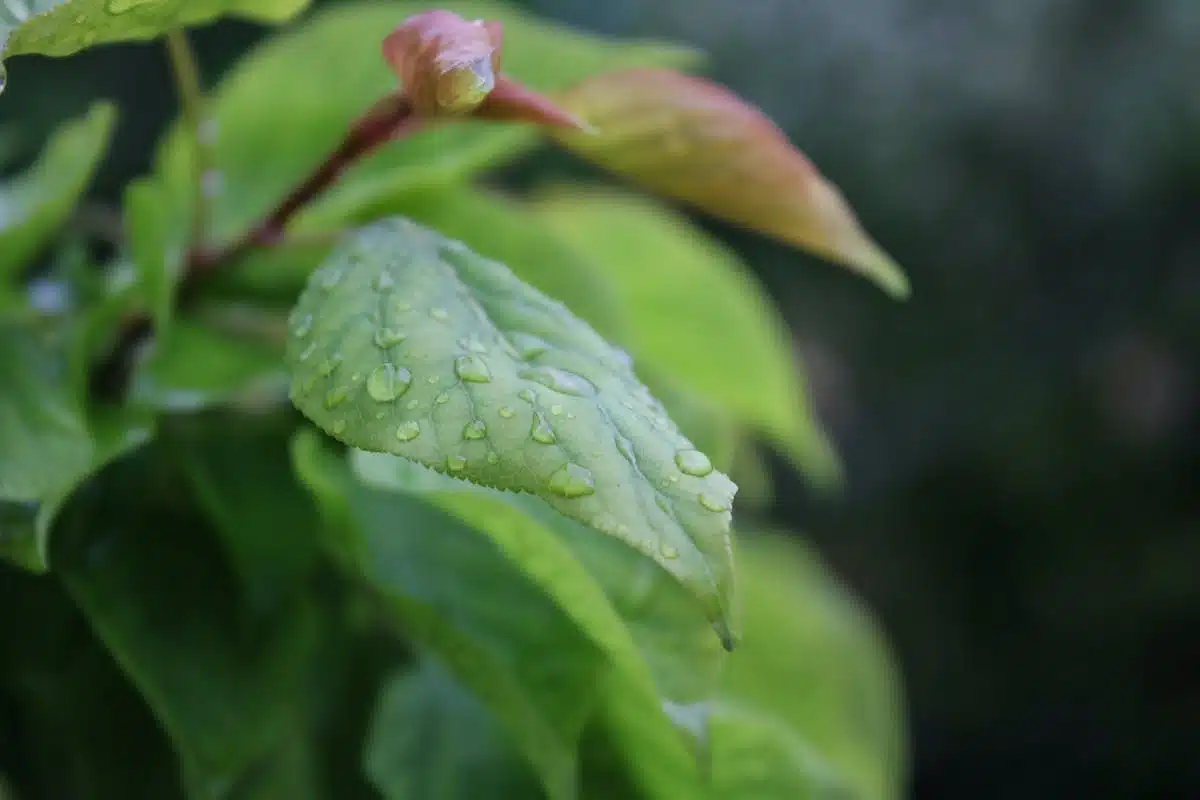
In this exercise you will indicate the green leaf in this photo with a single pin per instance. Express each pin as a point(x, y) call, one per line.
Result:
point(63, 27)
point(313, 82)
point(431, 739)
point(696, 314)
point(814, 660)
point(157, 244)
point(458, 597)
point(408, 343)
point(195, 367)
point(38, 201)
point(227, 686)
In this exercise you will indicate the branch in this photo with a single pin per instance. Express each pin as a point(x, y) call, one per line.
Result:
point(191, 95)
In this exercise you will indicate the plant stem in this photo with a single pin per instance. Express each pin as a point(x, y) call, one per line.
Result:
point(191, 95)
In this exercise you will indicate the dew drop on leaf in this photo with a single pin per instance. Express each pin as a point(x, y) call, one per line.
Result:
point(507, 412)
point(560, 380)
point(387, 382)
point(338, 427)
point(408, 430)
point(572, 480)
point(693, 462)
point(541, 432)
point(456, 463)
point(475, 429)
point(712, 502)
point(472, 369)
point(336, 396)
point(668, 551)
point(389, 337)
point(442, 399)
point(307, 352)
point(440, 314)
point(526, 395)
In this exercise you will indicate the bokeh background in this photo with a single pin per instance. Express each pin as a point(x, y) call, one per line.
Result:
point(1022, 438)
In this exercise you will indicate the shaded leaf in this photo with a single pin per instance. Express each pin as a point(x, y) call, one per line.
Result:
point(63, 27)
point(157, 244)
point(281, 86)
point(814, 661)
point(695, 141)
point(38, 201)
point(696, 314)
point(431, 739)
point(408, 343)
point(457, 596)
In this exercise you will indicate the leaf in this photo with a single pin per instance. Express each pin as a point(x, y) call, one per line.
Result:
point(431, 739)
point(696, 314)
point(457, 596)
point(695, 141)
point(38, 201)
point(408, 343)
point(814, 660)
point(157, 245)
point(314, 81)
point(64, 27)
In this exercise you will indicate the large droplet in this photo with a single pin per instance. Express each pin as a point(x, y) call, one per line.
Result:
point(572, 480)
point(693, 462)
point(336, 396)
point(541, 432)
point(475, 429)
point(560, 381)
point(387, 382)
point(440, 314)
point(528, 346)
point(389, 337)
point(668, 552)
point(456, 463)
point(472, 369)
point(712, 502)
point(507, 412)
point(384, 282)
point(408, 430)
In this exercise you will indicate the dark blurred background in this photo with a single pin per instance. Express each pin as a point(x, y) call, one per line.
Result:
point(1023, 437)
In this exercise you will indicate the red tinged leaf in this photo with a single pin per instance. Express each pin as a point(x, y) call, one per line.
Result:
point(692, 140)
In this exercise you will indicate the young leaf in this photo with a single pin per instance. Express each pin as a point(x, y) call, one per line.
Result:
point(34, 205)
point(696, 314)
point(408, 343)
point(63, 27)
point(695, 141)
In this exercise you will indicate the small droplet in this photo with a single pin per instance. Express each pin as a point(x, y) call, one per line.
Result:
point(475, 429)
point(338, 427)
point(572, 480)
point(493, 458)
point(556, 410)
point(356, 377)
point(560, 381)
point(403, 307)
point(408, 430)
point(527, 346)
point(433, 379)
point(570, 415)
point(541, 432)
point(303, 326)
point(507, 412)
point(331, 278)
point(693, 462)
point(712, 502)
point(384, 282)
point(379, 415)
point(336, 396)
point(661, 502)
point(456, 463)
point(80, 19)
point(668, 552)
point(387, 382)
point(526, 395)
point(330, 364)
point(412, 404)
point(308, 351)
point(389, 337)
point(442, 399)
point(472, 369)
point(440, 314)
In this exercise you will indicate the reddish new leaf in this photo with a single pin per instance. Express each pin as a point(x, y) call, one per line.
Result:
point(687, 138)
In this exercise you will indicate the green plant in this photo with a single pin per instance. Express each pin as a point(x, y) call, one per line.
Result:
point(220, 600)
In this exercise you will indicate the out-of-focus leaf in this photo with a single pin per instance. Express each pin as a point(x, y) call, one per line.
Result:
point(38, 201)
point(696, 314)
point(458, 597)
point(227, 686)
point(313, 82)
point(431, 739)
point(63, 27)
point(194, 367)
point(814, 661)
point(157, 244)
point(695, 141)
point(406, 342)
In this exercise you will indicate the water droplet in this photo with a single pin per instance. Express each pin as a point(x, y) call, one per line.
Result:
point(412, 404)
point(408, 430)
point(570, 415)
point(526, 395)
point(541, 432)
point(403, 307)
point(440, 314)
point(338, 427)
point(472, 369)
point(384, 282)
point(560, 381)
point(307, 352)
point(475, 429)
point(693, 462)
point(572, 480)
point(330, 364)
point(556, 410)
point(527, 346)
point(442, 399)
point(80, 19)
point(389, 337)
point(387, 382)
point(433, 379)
point(336, 396)
point(668, 552)
point(507, 412)
point(121, 6)
point(331, 278)
point(379, 415)
point(456, 463)
point(356, 377)
point(492, 458)
point(712, 502)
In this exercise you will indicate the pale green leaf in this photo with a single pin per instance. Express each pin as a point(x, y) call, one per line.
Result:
point(38, 201)
point(408, 343)
point(696, 314)
point(63, 27)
